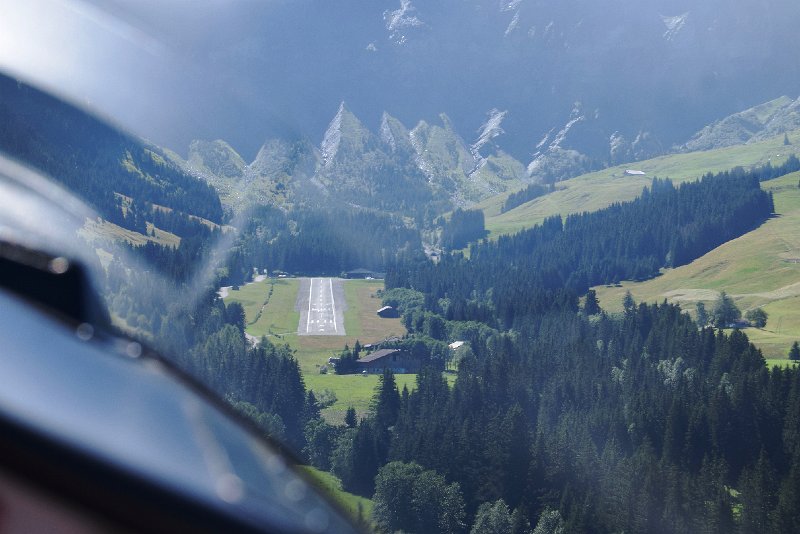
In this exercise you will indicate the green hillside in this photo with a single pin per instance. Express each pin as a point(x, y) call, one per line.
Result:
point(759, 269)
point(594, 191)
point(359, 507)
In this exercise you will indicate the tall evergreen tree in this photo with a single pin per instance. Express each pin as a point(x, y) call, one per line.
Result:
point(386, 402)
point(701, 314)
point(591, 306)
point(794, 352)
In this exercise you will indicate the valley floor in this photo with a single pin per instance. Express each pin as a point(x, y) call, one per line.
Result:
point(271, 310)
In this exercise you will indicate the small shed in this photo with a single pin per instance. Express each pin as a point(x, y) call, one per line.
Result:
point(388, 312)
point(396, 360)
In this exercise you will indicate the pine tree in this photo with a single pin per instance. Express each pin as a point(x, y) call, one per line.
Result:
point(592, 305)
point(794, 352)
point(757, 487)
point(350, 418)
point(702, 314)
point(386, 403)
point(628, 303)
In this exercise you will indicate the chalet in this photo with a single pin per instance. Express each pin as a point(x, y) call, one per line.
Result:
point(388, 312)
point(395, 360)
point(632, 172)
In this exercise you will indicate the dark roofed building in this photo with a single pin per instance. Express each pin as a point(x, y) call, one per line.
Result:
point(396, 360)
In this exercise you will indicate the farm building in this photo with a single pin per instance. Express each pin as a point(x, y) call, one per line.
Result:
point(631, 172)
point(395, 360)
point(388, 312)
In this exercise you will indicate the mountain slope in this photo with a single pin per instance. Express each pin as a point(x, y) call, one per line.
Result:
point(427, 169)
point(755, 124)
point(599, 189)
point(758, 269)
point(94, 160)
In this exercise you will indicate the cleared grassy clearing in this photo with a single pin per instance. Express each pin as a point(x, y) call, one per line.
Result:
point(758, 269)
point(599, 189)
point(250, 296)
point(355, 504)
point(351, 390)
point(278, 317)
point(98, 229)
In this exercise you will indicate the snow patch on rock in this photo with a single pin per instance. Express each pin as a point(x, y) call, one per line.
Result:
point(419, 150)
point(386, 132)
point(333, 137)
point(513, 24)
point(401, 19)
point(674, 25)
point(488, 131)
point(555, 144)
point(510, 6)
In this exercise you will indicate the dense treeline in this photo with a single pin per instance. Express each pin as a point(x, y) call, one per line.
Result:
point(642, 424)
point(572, 419)
point(639, 423)
point(463, 227)
point(93, 160)
point(320, 242)
point(155, 296)
point(522, 196)
point(768, 172)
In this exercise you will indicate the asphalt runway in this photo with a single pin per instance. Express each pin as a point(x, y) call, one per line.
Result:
point(321, 304)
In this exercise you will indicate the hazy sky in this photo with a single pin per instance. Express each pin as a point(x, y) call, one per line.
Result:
point(248, 70)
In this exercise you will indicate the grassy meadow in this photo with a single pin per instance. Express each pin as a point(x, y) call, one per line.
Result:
point(275, 300)
point(758, 269)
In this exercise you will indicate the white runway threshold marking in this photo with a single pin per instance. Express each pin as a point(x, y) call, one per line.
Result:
point(321, 309)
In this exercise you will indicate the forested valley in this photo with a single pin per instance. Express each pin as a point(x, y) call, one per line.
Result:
point(561, 417)
point(564, 417)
